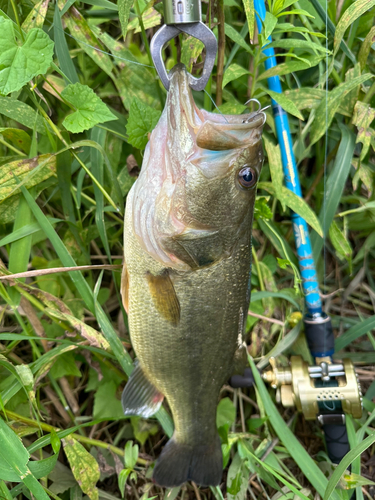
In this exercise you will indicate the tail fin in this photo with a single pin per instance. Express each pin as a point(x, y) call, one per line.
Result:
point(179, 463)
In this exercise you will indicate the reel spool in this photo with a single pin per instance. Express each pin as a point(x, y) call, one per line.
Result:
point(326, 391)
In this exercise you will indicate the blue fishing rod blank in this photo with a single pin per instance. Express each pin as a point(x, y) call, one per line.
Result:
point(318, 327)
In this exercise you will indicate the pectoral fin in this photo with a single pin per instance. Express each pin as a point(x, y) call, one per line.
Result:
point(164, 296)
point(140, 397)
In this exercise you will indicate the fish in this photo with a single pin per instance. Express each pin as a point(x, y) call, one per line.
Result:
point(186, 275)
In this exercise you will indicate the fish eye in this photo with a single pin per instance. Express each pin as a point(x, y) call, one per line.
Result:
point(247, 177)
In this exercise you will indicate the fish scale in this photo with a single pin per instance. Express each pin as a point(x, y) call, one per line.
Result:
point(187, 290)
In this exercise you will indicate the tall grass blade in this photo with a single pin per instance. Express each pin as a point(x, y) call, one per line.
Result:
point(62, 50)
point(335, 187)
point(355, 332)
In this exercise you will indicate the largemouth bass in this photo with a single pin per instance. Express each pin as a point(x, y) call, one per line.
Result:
point(186, 278)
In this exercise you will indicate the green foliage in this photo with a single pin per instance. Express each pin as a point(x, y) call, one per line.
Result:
point(70, 68)
point(142, 120)
point(21, 63)
point(89, 108)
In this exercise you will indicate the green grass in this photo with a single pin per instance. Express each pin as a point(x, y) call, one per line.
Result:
point(65, 350)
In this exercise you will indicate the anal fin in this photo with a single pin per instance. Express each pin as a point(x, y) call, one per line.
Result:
point(140, 397)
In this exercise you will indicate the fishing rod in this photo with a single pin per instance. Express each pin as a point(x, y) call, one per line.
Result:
point(326, 391)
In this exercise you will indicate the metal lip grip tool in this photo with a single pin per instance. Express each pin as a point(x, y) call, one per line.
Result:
point(184, 16)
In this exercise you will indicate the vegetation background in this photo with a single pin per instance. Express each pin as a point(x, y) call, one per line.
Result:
point(78, 98)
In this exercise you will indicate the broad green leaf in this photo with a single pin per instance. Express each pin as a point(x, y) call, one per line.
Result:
point(366, 47)
point(274, 162)
point(355, 332)
point(124, 7)
point(233, 34)
point(250, 16)
point(285, 103)
point(291, 67)
point(84, 467)
point(334, 187)
point(30, 172)
point(65, 365)
point(131, 454)
point(353, 12)
point(231, 107)
point(301, 457)
point(106, 404)
point(21, 63)
point(328, 108)
point(22, 113)
point(261, 208)
point(226, 413)
point(234, 72)
point(142, 120)
point(340, 243)
point(346, 461)
point(19, 138)
point(90, 109)
point(362, 119)
point(297, 204)
point(191, 50)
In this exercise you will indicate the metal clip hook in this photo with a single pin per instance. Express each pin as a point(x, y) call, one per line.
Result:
point(197, 30)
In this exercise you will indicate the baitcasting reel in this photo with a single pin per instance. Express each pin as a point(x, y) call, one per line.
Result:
point(326, 391)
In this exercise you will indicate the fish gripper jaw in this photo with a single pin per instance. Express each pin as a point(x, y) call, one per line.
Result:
point(184, 17)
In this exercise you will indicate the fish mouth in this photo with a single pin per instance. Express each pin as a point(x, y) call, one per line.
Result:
point(211, 131)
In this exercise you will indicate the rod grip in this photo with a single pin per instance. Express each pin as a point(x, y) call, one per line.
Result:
point(337, 442)
point(319, 335)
